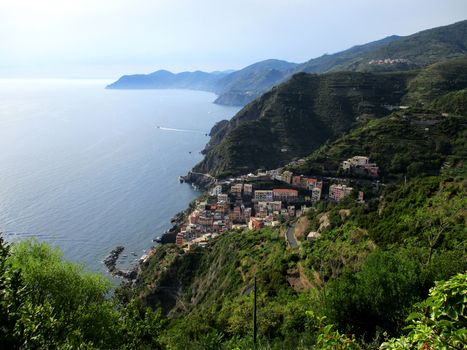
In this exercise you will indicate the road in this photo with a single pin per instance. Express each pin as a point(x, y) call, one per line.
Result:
point(290, 237)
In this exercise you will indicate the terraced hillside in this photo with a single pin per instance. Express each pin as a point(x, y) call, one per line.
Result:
point(297, 117)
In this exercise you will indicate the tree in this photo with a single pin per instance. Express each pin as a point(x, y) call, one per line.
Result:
point(440, 321)
point(46, 302)
point(376, 297)
point(23, 324)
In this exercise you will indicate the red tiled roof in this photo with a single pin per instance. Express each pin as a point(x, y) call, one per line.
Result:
point(284, 190)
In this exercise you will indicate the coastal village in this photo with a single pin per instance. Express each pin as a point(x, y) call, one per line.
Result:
point(264, 199)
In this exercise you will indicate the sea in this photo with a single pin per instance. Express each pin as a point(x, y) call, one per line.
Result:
point(86, 169)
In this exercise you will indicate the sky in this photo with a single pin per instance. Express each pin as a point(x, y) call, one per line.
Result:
point(108, 38)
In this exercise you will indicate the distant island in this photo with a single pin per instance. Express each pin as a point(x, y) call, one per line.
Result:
point(235, 88)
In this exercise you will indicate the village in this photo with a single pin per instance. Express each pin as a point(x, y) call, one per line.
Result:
point(264, 199)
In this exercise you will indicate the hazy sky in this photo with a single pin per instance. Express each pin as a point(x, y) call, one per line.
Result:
point(107, 38)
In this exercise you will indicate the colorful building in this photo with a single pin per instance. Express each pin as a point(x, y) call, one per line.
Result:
point(283, 194)
point(338, 192)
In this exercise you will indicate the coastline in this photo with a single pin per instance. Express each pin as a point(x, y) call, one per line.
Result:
point(168, 237)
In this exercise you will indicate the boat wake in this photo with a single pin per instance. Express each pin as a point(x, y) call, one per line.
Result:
point(181, 130)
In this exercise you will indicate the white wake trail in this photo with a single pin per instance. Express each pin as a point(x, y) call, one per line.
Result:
point(181, 130)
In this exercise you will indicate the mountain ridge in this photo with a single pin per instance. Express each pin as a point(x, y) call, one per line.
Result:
point(294, 118)
point(391, 53)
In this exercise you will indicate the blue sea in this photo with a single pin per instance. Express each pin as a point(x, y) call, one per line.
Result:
point(86, 169)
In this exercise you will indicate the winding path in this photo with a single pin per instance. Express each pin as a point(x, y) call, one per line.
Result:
point(290, 237)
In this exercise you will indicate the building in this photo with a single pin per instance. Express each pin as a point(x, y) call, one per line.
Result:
point(338, 192)
point(361, 197)
point(282, 194)
point(291, 211)
point(255, 224)
point(269, 207)
point(287, 176)
point(236, 215)
point(236, 189)
point(222, 208)
point(263, 196)
point(180, 239)
point(355, 161)
point(193, 218)
point(247, 214)
point(247, 189)
point(316, 194)
point(217, 190)
point(297, 180)
point(361, 165)
point(205, 219)
point(223, 197)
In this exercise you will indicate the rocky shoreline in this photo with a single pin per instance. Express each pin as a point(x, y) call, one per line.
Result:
point(111, 263)
point(201, 181)
point(178, 221)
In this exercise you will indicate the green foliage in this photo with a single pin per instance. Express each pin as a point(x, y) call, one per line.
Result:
point(365, 272)
point(139, 327)
point(376, 297)
point(410, 143)
point(436, 80)
point(77, 297)
point(46, 302)
point(299, 116)
point(309, 110)
point(453, 102)
point(378, 261)
point(430, 209)
point(328, 337)
point(439, 322)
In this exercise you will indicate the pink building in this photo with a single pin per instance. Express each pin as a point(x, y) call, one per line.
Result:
point(338, 192)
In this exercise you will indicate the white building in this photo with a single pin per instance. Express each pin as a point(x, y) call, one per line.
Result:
point(217, 190)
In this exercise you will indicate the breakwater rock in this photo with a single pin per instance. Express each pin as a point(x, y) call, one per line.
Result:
point(111, 263)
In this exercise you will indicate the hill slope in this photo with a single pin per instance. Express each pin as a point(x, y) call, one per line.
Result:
point(243, 86)
point(420, 49)
point(411, 143)
point(295, 118)
point(363, 273)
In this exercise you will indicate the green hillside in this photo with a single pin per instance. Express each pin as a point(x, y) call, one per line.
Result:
point(436, 80)
point(401, 54)
point(327, 62)
point(420, 49)
point(297, 117)
point(453, 102)
point(407, 143)
point(364, 273)
point(244, 85)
